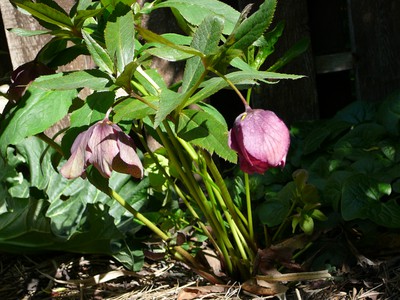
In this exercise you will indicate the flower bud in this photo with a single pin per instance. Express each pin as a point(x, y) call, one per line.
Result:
point(261, 140)
point(105, 146)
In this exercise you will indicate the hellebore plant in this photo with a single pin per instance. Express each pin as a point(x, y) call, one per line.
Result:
point(219, 51)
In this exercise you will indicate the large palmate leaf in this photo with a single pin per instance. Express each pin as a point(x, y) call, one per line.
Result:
point(60, 214)
point(37, 110)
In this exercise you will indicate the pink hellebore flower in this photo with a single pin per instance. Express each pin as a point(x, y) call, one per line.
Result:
point(105, 146)
point(261, 140)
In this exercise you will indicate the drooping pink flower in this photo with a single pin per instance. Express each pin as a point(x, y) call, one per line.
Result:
point(105, 146)
point(261, 140)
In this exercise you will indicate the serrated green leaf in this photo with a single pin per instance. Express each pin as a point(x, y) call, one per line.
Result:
point(45, 13)
point(206, 40)
point(37, 110)
point(253, 27)
point(194, 11)
point(201, 129)
point(169, 100)
point(119, 36)
point(99, 54)
point(93, 79)
point(250, 77)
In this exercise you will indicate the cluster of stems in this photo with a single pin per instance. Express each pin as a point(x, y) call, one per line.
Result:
point(231, 234)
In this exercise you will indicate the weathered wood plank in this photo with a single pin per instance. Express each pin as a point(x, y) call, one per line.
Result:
point(25, 49)
point(293, 100)
point(376, 44)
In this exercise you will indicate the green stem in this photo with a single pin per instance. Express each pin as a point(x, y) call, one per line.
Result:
point(138, 215)
point(192, 90)
point(248, 205)
point(231, 85)
point(50, 142)
point(178, 251)
point(228, 200)
point(185, 173)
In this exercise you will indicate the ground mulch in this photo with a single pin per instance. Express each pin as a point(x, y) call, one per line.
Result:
point(77, 276)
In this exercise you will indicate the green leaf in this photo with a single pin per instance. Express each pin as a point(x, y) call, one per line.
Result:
point(34, 151)
point(99, 55)
point(120, 39)
point(361, 199)
point(360, 141)
point(202, 129)
point(266, 45)
point(37, 110)
point(273, 211)
point(94, 109)
point(154, 37)
point(206, 40)
point(389, 113)
point(124, 79)
point(45, 13)
point(82, 15)
point(357, 112)
point(248, 77)
point(194, 11)
point(168, 53)
point(322, 132)
point(28, 33)
point(93, 79)
point(169, 100)
point(253, 27)
point(298, 48)
point(133, 109)
point(152, 86)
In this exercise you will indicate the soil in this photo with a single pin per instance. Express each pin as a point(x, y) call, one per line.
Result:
point(77, 276)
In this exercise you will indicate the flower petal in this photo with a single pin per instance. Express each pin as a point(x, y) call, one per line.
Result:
point(261, 139)
point(75, 166)
point(127, 161)
point(103, 147)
